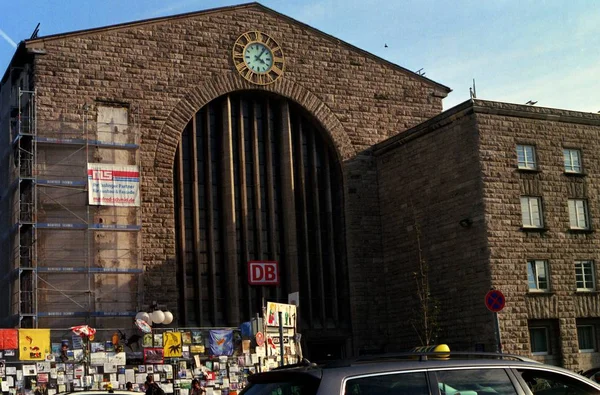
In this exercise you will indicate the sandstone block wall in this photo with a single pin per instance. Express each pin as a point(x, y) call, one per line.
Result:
point(167, 69)
point(502, 126)
point(430, 181)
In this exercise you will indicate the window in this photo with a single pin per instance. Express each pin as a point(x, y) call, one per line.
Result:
point(531, 211)
point(383, 384)
point(292, 385)
point(548, 382)
point(584, 276)
point(585, 336)
point(539, 340)
point(526, 157)
point(537, 276)
point(477, 381)
point(578, 214)
point(572, 160)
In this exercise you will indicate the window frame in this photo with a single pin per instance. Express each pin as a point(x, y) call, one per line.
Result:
point(540, 209)
point(528, 163)
point(532, 270)
point(592, 338)
point(394, 375)
point(546, 338)
point(570, 168)
point(579, 265)
point(575, 211)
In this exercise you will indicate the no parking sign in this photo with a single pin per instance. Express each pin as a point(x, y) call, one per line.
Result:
point(494, 300)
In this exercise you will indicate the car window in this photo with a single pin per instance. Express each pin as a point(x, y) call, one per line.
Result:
point(414, 383)
point(283, 386)
point(475, 382)
point(545, 382)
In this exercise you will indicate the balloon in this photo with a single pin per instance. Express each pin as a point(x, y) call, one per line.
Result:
point(143, 326)
point(168, 318)
point(142, 315)
point(158, 316)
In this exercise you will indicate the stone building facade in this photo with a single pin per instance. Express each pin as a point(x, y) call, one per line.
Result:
point(359, 175)
point(474, 236)
point(163, 71)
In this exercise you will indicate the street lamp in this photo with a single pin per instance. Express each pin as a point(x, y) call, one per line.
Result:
point(155, 315)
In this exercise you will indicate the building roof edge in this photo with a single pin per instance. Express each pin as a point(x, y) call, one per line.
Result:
point(39, 41)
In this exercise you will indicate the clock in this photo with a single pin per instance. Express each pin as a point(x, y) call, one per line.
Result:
point(258, 58)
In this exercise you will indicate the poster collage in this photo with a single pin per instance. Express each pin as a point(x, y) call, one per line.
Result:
point(44, 362)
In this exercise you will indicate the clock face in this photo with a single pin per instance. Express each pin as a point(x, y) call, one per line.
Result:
point(258, 58)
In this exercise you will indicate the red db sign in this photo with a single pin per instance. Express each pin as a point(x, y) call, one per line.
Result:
point(263, 273)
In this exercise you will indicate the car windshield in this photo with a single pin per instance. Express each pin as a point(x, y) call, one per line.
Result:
point(283, 385)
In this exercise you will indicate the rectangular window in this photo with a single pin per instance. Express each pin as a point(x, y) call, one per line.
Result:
point(539, 340)
point(578, 214)
point(526, 157)
point(531, 211)
point(572, 160)
point(585, 336)
point(537, 276)
point(414, 383)
point(471, 381)
point(584, 276)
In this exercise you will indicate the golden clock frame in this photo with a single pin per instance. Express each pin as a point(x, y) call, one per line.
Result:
point(269, 76)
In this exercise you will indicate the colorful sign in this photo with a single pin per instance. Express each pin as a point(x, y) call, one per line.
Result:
point(153, 355)
point(221, 342)
point(34, 344)
point(263, 273)
point(260, 339)
point(288, 314)
point(8, 339)
point(113, 185)
point(172, 344)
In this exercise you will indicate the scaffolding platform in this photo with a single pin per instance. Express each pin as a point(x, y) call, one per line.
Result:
point(68, 258)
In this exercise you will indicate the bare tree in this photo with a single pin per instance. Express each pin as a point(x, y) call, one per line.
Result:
point(425, 323)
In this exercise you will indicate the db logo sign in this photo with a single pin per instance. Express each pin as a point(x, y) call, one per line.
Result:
point(263, 273)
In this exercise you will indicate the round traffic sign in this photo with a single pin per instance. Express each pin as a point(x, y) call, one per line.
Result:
point(494, 300)
point(260, 339)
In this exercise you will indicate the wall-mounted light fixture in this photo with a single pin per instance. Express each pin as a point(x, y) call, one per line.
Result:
point(465, 222)
point(155, 315)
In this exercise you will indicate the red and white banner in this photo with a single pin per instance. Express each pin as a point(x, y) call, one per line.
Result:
point(113, 185)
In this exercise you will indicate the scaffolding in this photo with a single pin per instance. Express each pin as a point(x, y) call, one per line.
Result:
point(69, 262)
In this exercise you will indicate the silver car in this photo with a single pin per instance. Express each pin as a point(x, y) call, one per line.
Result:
point(423, 374)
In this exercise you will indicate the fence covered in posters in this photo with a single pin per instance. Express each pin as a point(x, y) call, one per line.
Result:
point(59, 360)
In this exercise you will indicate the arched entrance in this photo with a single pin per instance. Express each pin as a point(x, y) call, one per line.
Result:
point(257, 179)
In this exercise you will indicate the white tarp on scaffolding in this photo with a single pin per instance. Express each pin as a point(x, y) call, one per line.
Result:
point(113, 185)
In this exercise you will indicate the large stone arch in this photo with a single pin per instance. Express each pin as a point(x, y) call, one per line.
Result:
point(213, 88)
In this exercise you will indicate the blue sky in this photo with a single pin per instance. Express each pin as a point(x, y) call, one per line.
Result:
point(542, 50)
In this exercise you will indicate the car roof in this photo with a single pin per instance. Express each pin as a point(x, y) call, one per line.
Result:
point(384, 363)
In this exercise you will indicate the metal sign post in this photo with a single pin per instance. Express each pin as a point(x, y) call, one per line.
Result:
point(281, 336)
point(495, 301)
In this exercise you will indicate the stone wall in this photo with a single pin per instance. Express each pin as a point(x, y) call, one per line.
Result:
point(430, 181)
point(167, 69)
point(502, 126)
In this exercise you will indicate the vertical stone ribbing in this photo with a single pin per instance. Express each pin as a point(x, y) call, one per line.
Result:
point(228, 214)
point(288, 200)
point(181, 219)
point(196, 218)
